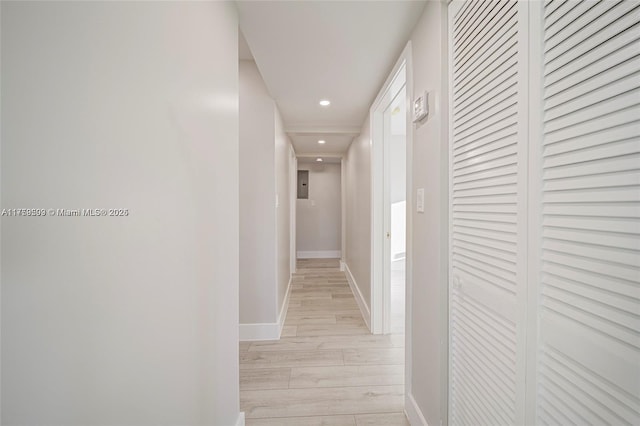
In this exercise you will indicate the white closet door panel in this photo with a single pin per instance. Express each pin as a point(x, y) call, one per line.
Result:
point(622, 210)
point(588, 360)
point(506, 247)
point(584, 128)
point(596, 98)
point(487, 268)
point(609, 287)
point(600, 137)
point(497, 136)
point(619, 63)
point(623, 163)
point(620, 47)
point(502, 85)
point(596, 21)
point(477, 84)
point(484, 34)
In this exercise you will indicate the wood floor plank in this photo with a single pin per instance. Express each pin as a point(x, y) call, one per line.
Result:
point(311, 343)
point(331, 330)
point(374, 356)
point(355, 318)
point(249, 360)
point(322, 401)
point(304, 421)
point(296, 307)
point(385, 419)
point(265, 378)
point(306, 319)
point(358, 375)
point(289, 330)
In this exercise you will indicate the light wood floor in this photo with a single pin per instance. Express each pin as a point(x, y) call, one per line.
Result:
point(327, 369)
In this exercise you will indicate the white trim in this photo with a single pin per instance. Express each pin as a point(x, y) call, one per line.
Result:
point(320, 254)
point(343, 208)
point(380, 257)
point(285, 306)
point(293, 196)
point(412, 411)
point(534, 213)
point(259, 331)
point(362, 304)
point(452, 9)
point(267, 330)
point(408, 275)
point(240, 420)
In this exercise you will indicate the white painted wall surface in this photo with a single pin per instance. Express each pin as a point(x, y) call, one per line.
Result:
point(257, 199)
point(398, 183)
point(283, 243)
point(358, 212)
point(120, 320)
point(398, 230)
point(319, 218)
point(430, 228)
point(398, 165)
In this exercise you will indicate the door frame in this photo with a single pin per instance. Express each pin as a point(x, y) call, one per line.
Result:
point(399, 77)
point(293, 211)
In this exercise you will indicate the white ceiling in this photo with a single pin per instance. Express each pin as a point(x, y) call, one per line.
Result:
point(336, 50)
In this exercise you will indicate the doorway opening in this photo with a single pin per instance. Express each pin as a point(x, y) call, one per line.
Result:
point(395, 121)
point(389, 221)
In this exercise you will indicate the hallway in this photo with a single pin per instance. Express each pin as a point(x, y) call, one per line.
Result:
point(327, 369)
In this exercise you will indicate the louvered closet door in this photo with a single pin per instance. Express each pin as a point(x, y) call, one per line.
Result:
point(487, 205)
point(589, 350)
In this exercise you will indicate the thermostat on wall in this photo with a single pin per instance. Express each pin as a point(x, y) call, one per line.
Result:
point(421, 107)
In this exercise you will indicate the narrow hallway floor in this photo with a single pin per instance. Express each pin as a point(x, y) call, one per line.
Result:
point(327, 369)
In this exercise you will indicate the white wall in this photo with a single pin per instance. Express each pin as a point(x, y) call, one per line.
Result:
point(283, 226)
point(257, 199)
point(357, 165)
point(398, 183)
point(264, 206)
point(429, 236)
point(398, 167)
point(120, 320)
point(319, 218)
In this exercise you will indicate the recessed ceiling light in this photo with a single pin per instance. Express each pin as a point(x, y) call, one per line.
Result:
point(319, 160)
point(325, 102)
point(321, 142)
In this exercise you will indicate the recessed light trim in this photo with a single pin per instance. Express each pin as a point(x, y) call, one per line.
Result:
point(319, 160)
point(325, 102)
point(321, 141)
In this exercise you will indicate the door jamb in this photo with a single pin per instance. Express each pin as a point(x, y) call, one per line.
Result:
point(379, 193)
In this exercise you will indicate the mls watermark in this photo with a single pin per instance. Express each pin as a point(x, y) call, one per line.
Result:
point(64, 212)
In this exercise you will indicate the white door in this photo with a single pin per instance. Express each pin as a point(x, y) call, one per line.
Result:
point(545, 212)
point(588, 353)
point(488, 154)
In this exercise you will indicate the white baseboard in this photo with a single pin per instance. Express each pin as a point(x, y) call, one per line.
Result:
point(270, 330)
point(285, 305)
point(320, 254)
point(362, 304)
point(259, 331)
point(411, 409)
point(240, 421)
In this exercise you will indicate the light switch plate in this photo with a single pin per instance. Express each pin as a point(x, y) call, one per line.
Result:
point(421, 107)
point(420, 200)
